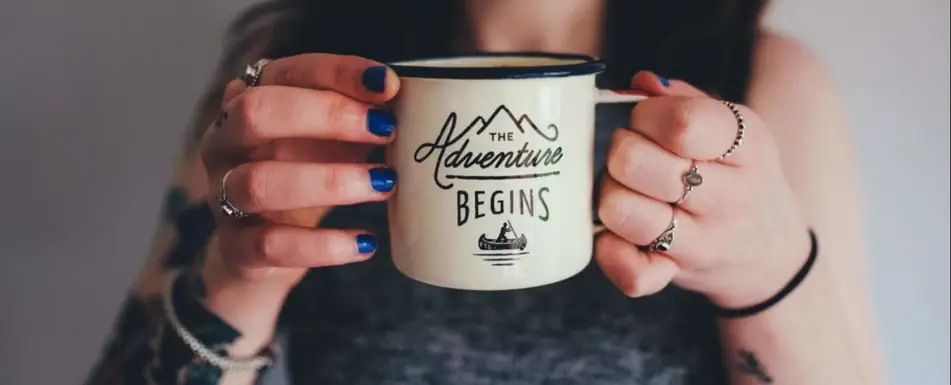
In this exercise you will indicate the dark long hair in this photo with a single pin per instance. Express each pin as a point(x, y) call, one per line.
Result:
point(705, 42)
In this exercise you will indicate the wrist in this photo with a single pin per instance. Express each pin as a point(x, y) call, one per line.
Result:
point(250, 306)
point(205, 334)
point(765, 277)
point(253, 313)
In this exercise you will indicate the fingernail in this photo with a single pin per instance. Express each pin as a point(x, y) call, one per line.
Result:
point(382, 179)
point(380, 122)
point(374, 78)
point(366, 243)
point(663, 80)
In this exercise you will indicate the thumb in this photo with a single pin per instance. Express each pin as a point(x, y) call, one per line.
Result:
point(657, 85)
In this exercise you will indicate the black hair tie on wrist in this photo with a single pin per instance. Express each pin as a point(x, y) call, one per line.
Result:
point(793, 283)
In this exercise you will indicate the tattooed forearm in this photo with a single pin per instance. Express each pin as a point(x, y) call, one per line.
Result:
point(194, 225)
point(144, 349)
point(750, 365)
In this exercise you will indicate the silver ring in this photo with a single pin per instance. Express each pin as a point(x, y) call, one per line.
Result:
point(665, 240)
point(740, 129)
point(252, 73)
point(691, 179)
point(228, 208)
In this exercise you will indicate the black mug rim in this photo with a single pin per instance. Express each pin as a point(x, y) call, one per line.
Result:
point(587, 65)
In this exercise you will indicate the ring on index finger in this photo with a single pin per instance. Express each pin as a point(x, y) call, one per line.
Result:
point(252, 73)
point(740, 129)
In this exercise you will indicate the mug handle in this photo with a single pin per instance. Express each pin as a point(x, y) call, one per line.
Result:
point(619, 96)
point(615, 96)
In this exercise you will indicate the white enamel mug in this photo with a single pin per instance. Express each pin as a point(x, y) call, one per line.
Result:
point(494, 155)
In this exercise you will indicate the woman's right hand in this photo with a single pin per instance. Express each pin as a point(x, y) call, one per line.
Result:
point(296, 146)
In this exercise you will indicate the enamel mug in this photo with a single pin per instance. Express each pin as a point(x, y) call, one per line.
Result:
point(494, 154)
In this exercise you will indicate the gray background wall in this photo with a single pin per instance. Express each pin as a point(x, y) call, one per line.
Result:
point(94, 96)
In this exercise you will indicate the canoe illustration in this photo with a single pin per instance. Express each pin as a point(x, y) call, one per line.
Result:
point(504, 241)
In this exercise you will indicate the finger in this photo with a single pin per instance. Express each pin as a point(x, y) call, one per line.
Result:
point(691, 127)
point(639, 219)
point(292, 246)
point(313, 151)
point(642, 166)
point(275, 186)
point(634, 272)
point(359, 78)
point(656, 85)
point(232, 90)
point(266, 113)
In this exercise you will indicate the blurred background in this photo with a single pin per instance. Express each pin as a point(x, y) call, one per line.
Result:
point(95, 95)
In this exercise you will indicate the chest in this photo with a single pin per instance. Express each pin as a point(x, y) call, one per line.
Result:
point(367, 324)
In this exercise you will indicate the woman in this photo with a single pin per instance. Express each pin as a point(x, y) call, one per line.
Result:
point(754, 299)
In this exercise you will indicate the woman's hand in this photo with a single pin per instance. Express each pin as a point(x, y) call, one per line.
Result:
point(295, 146)
point(739, 236)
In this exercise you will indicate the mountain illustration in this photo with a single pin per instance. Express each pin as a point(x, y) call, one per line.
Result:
point(520, 122)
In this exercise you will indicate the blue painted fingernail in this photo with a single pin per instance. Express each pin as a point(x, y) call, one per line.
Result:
point(382, 179)
point(663, 81)
point(366, 243)
point(380, 122)
point(374, 78)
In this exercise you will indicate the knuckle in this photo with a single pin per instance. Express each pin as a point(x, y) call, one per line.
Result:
point(612, 211)
point(682, 124)
point(248, 110)
point(289, 74)
point(334, 182)
point(258, 186)
point(340, 112)
point(626, 162)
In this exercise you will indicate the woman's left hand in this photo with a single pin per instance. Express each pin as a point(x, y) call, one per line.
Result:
point(739, 235)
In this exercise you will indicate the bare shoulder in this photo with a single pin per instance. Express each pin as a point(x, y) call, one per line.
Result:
point(796, 95)
point(786, 73)
point(793, 91)
point(778, 51)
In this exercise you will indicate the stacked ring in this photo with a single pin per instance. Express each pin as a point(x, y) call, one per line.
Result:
point(693, 179)
point(228, 208)
point(252, 73)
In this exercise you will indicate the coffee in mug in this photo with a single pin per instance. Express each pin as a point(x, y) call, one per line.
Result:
point(494, 153)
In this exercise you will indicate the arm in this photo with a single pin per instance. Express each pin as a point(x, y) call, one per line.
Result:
point(822, 333)
point(297, 150)
point(143, 348)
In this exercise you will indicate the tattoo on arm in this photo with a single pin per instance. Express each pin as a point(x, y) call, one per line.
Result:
point(194, 225)
point(143, 348)
point(750, 365)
